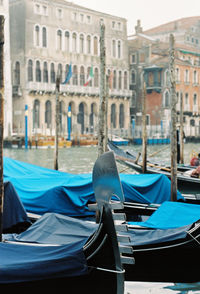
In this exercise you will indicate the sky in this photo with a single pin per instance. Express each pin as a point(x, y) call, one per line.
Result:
point(151, 12)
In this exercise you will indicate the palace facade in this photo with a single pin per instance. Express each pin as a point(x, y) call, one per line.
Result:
point(46, 38)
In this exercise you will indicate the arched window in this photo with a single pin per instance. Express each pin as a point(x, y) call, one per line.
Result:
point(96, 77)
point(17, 74)
point(59, 40)
point(113, 116)
point(48, 113)
point(125, 80)
point(120, 80)
point(30, 70)
point(38, 72)
point(37, 35)
point(195, 77)
point(192, 122)
point(95, 46)
point(36, 114)
point(61, 115)
point(67, 41)
point(114, 79)
point(53, 75)
point(80, 116)
point(66, 72)
point(114, 48)
point(60, 71)
point(82, 76)
point(74, 43)
point(45, 73)
point(44, 37)
point(81, 43)
point(121, 116)
point(75, 76)
point(88, 45)
point(88, 73)
point(119, 49)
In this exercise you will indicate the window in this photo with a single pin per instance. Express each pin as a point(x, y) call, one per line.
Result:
point(75, 76)
point(53, 75)
point(81, 43)
point(38, 72)
point(88, 73)
point(44, 37)
point(195, 99)
point(88, 45)
point(17, 74)
point(37, 8)
point(96, 77)
point(119, 49)
point(66, 72)
point(44, 10)
point(113, 24)
point(48, 113)
point(121, 116)
point(30, 71)
point(114, 48)
point(60, 71)
point(114, 79)
point(195, 77)
point(37, 35)
point(166, 100)
point(74, 42)
point(120, 80)
point(119, 26)
point(82, 17)
point(133, 58)
point(74, 16)
point(67, 41)
point(113, 116)
point(45, 73)
point(36, 114)
point(186, 76)
point(59, 40)
point(95, 46)
point(177, 72)
point(133, 78)
point(125, 80)
point(82, 76)
point(88, 19)
point(59, 13)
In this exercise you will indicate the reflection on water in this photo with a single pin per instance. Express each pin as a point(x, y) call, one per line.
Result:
point(81, 160)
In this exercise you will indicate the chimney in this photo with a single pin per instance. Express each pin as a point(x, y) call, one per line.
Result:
point(138, 28)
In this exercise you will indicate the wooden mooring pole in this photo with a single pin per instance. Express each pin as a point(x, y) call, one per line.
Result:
point(144, 131)
point(181, 130)
point(56, 123)
point(1, 120)
point(173, 120)
point(102, 138)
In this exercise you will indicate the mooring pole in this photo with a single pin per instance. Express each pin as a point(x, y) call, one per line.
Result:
point(26, 126)
point(56, 123)
point(1, 120)
point(144, 131)
point(181, 130)
point(173, 120)
point(102, 144)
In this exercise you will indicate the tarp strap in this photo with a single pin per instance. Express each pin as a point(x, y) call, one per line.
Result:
point(108, 270)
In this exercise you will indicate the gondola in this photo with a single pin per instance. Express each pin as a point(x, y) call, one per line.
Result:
point(187, 185)
point(166, 246)
point(60, 252)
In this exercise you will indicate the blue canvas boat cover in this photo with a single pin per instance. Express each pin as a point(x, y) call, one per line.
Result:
point(172, 215)
point(44, 190)
point(66, 237)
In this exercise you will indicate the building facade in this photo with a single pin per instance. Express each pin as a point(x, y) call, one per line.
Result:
point(47, 37)
point(149, 63)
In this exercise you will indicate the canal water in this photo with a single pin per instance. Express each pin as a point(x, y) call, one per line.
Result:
point(81, 160)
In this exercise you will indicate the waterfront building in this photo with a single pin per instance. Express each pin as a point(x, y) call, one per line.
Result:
point(149, 62)
point(47, 38)
point(4, 10)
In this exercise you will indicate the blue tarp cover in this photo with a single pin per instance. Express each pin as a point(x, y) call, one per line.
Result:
point(44, 190)
point(21, 263)
point(172, 215)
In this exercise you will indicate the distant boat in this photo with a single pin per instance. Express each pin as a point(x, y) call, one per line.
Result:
point(119, 141)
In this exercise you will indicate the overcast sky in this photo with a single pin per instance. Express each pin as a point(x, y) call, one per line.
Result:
point(151, 12)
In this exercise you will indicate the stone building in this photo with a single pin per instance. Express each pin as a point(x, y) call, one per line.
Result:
point(4, 10)
point(149, 62)
point(46, 38)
